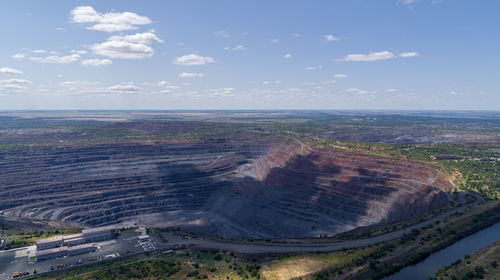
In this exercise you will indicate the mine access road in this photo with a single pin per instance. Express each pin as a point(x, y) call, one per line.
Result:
point(254, 248)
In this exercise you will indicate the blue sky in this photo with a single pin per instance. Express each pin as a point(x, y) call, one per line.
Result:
point(385, 54)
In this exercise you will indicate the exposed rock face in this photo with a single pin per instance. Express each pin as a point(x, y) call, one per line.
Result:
point(277, 156)
point(237, 187)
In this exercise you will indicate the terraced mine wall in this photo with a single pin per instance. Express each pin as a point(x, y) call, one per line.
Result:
point(237, 187)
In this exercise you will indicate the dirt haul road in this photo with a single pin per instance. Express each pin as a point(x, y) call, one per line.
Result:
point(263, 248)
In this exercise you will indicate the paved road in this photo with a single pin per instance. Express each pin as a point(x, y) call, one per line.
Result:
point(259, 248)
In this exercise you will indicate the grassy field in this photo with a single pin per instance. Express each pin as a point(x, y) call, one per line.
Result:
point(484, 264)
point(336, 262)
point(22, 238)
point(190, 265)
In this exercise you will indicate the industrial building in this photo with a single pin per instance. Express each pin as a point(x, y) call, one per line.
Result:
point(74, 239)
point(51, 253)
point(75, 244)
point(81, 249)
point(98, 234)
point(49, 243)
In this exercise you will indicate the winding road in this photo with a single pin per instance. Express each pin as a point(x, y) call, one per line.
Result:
point(269, 248)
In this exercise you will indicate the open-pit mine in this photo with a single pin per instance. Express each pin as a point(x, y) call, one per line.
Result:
point(236, 184)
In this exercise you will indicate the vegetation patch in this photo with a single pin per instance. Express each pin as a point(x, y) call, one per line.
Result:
point(484, 264)
point(22, 238)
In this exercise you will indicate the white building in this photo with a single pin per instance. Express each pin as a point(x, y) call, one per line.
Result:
point(49, 243)
point(75, 244)
point(51, 253)
point(80, 249)
point(74, 239)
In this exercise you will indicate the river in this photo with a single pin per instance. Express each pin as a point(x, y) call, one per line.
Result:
point(466, 246)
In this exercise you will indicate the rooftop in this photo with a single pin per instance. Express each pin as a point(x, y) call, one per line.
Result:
point(82, 246)
point(72, 236)
point(51, 251)
point(49, 240)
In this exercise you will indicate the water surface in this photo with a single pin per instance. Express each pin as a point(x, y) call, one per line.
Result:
point(466, 246)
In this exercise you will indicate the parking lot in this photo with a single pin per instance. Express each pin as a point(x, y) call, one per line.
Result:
point(127, 243)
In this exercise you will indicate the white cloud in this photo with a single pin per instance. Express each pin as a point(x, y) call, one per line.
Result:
point(82, 87)
point(14, 84)
point(358, 91)
point(127, 47)
point(329, 82)
point(85, 14)
point(162, 83)
point(146, 38)
point(408, 2)
point(79, 83)
point(193, 59)
point(129, 87)
point(238, 48)
point(270, 82)
point(165, 85)
point(7, 70)
point(275, 41)
point(62, 29)
point(222, 92)
point(330, 38)
point(222, 33)
point(373, 56)
point(287, 55)
point(120, 49)
point(79, 51)
point(390, 90)
point(409, 54)
point(108, 22)
point(295, 35)
point(11, 87)
point(38, 51)
point(190, 75)
point(312, 68)
point(19, 56)
point(340, 76)
point(96, 62)
point(352, 90)
point(57, 59)
point(16, 81)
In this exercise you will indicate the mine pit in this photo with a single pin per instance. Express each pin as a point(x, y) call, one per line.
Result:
point(240, 187)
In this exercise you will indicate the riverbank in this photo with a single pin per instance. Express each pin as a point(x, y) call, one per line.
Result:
point(484, 264)
point(466, 246)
